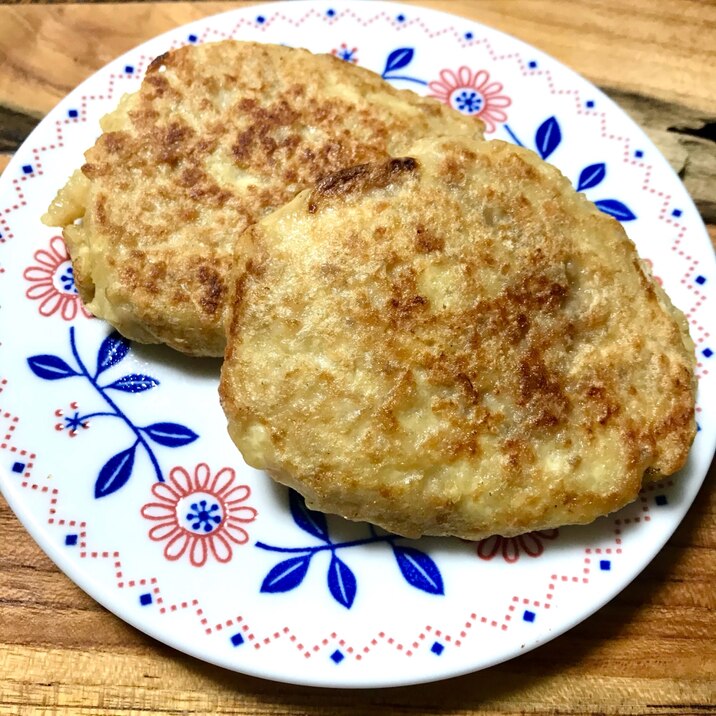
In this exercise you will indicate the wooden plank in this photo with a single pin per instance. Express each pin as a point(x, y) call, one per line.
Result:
point(637, 47)
point(47, 51)
point(652, 647)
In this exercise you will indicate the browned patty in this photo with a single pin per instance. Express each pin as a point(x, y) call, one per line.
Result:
point(455, 343)
point(217, 137)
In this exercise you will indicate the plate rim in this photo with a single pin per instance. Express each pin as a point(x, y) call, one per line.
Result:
point(100, 593)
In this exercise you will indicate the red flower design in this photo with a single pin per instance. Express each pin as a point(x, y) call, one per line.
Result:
point(511, 547)
point(472, 93)
point(53, 282)
point(199, 515)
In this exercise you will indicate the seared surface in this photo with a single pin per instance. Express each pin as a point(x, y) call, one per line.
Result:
point(455, 343)
point(218, 136)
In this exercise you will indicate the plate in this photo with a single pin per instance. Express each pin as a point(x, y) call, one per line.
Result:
point(116, 458)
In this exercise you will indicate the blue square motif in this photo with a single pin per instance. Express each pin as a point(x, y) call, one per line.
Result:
point(330, 12)
point(18, 466)
point(72, 113)
point(707, 352)
point(337, 656)
point(701, 280)
point(638, 153)
point(437, 648)
point(400, 18)
point(661, 500)
point(145, 599)
point(261, 19)
point(605, 565)
point(27, 169)
point(237, 639)
point(469, 36)
point(677, 213)
point(129, 69)
point(590, 103)
point(192, 38)
point(70, 540)
point(531, 64)
point(529, 616)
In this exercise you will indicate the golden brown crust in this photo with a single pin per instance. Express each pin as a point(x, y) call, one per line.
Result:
point(465, 348)
point(217, 136)
point(358, 179)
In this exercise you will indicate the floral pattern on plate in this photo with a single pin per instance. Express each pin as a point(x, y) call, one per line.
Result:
point(200, 515)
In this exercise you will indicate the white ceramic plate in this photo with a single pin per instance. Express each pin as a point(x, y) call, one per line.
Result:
point(117, 461)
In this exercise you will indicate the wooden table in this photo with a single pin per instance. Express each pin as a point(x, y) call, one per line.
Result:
point(652, 650)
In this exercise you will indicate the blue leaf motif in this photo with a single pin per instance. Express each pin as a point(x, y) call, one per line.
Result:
point(616, 209)
point(398, 58)
point(591, 176)
point(308, 520)
point(548, 137)
point(170, 434)
point(419, 570)
point(115, 473)
point(286, 575)
point(341, 582)
point(50, 367)
point(113, 349)
point(134, 383)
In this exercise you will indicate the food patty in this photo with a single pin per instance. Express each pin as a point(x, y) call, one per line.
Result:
point(454, 343)
point(217, 136)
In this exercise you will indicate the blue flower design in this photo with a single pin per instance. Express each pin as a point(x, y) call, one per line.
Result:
point(67, 279)
point(115, 473)
point(202, 517)
point(548, 138)
point(346, 54)
point(469, 101)
point(416, 567)
point(75, 422)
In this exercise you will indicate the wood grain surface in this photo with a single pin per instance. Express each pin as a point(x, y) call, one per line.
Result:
point(651, 650)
